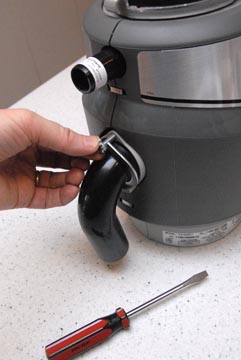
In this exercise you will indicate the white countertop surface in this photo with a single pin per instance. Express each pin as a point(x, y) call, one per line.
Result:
point(52, 282)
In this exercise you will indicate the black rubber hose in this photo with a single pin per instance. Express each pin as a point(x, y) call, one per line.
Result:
point(97, 207)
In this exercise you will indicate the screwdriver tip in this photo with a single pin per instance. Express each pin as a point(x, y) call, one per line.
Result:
point(198, 277)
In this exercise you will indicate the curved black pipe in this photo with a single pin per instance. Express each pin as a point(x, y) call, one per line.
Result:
point(97, 207)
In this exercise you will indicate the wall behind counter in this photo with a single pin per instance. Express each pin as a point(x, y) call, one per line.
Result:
point(38, 38)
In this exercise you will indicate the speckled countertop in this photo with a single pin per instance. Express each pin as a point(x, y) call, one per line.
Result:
point(51, 281)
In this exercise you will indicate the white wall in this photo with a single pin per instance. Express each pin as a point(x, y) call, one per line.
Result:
point(38, 38)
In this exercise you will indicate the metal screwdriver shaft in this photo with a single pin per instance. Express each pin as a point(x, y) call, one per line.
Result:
point(195, 279)
point(101, 329)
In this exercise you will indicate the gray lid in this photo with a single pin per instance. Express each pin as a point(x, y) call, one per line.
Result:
point(161, 9)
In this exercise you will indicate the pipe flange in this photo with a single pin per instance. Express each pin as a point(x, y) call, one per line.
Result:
point(107, 142)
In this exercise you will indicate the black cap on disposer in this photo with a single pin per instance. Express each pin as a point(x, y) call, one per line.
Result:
point(95, 71)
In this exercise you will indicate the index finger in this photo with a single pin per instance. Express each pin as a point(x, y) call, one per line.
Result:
point(54, 136)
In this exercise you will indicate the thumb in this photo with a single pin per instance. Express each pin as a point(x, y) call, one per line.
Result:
point(53, 136)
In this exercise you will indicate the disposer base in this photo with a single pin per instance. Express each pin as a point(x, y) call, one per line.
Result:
point(187, 235)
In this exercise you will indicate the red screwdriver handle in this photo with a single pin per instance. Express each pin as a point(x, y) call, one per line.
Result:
point(88, 336)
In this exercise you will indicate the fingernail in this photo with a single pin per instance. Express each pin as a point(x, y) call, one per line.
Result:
point(92, 141)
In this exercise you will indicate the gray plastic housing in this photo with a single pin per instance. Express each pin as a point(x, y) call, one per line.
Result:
point(120, 32)
point(162, 9)
point(192, 155)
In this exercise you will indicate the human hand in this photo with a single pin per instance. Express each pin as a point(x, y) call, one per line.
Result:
point(28, 140)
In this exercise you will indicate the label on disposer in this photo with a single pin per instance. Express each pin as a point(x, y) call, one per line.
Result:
point(97, 69)
point(201, 237)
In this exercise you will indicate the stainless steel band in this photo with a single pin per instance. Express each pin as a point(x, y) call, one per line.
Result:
point(202, 76)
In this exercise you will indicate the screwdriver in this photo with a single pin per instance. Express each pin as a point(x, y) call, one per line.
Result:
point(99, 330)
